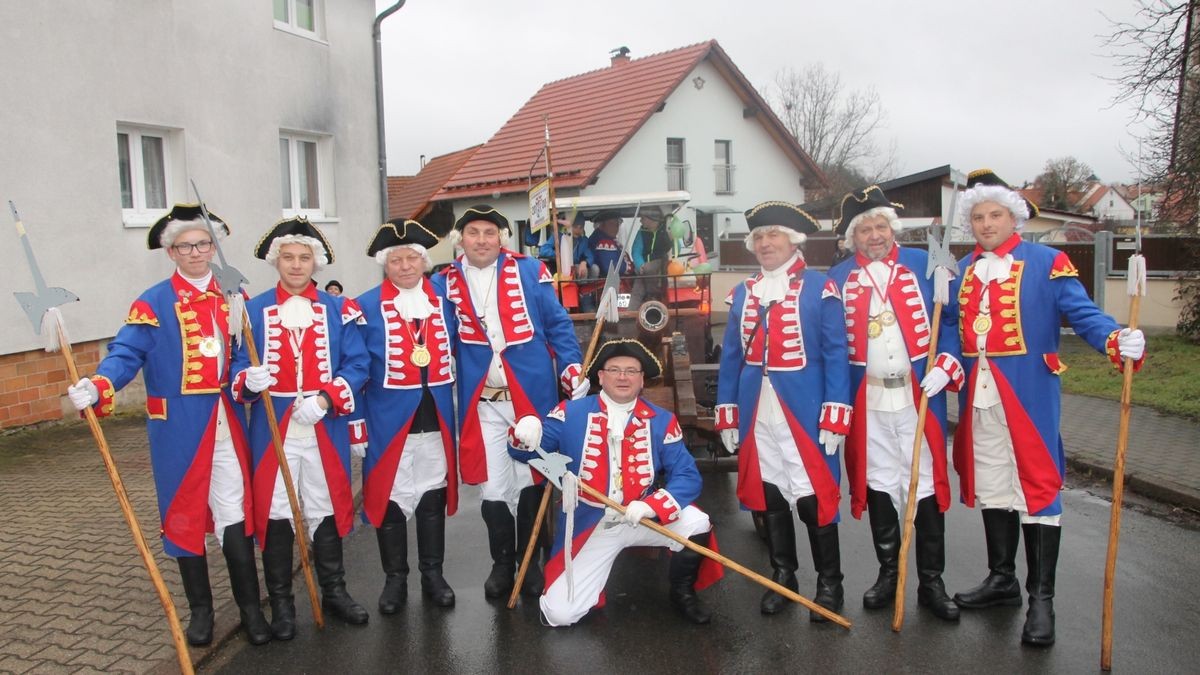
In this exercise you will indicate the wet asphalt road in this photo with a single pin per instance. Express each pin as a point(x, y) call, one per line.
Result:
point(1156, 610)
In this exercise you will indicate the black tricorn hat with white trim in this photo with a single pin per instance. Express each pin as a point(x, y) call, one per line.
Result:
point(179, 212)
point(401, 232)
point(856, 203)
point(784, 214)
point(482, 212)
point(297, 226)
point(651, 368)
point(989, 177)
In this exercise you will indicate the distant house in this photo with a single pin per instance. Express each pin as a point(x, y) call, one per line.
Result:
point(111, 110)
point(685, 119)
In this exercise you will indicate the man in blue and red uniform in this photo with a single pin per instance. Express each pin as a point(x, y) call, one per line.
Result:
point(889, 308)
point(516, 349)
point(1008, 304)
point(409, 469)
point(177, 334)
point(313, 366)
point(784, 365)
point(632, 451)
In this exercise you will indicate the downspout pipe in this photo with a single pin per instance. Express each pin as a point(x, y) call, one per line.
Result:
point(376, 33)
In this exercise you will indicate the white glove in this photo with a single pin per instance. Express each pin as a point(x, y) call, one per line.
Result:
point(258, 378)
point(935, 381)
point(309, 412)
point(358, 450)
point(83, 394)
point(729, 438)
point(582, 387)
point(528, 432)
point(1131, 343)
point(832, 442)
point(636, 510)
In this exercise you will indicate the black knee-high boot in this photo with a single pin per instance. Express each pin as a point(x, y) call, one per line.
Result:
point(392, 536)
point(331, 574)
point(527, 508)
point(1002, 530)
point(277, 572)
point(781, 544)
point(431, 547)
point(1041, 556)
point(243, 579)
point(930, 524)
point(194, 572)
point(827, 558)
point(885, 535)
point(683, 571)
point(502, 540)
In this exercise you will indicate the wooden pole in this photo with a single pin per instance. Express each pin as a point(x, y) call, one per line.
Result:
point(164, 596)
point(911, 507)
point(286, 474)
point(1114, 523)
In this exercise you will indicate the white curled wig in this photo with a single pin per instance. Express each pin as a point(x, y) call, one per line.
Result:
point(885, 211)
point(381, 256)
point(314, 244)
point(797, 238)
point(178, 227)
point(455, 237)
point(979, 194)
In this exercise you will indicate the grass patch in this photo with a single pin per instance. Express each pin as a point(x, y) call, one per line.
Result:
point(1167, 382)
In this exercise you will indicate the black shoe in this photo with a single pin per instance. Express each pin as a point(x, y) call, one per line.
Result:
point(527, 508)
point(827, 559)
point(392, 536)
point(683, 571)
point(885, 535)
point(1041, 556)
point(780, 533)
point(502, 540)
point(243, 578)
point(431, 547)
point(331, 574)
point(1002, 530)
point(930, 525)
point(193, 570)
point(277, 572)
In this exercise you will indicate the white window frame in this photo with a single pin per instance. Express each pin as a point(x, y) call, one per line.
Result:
point(723, 170)
point(289, 26)
point(677, 172)
point(325, 212)
point(174, 172)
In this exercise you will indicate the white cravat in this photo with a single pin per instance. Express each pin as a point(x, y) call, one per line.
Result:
point(201, 284)
point(481, 281)
point(774, 283)
point(412, 303)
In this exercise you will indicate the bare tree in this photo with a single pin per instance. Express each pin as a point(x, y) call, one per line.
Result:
point(837, 128)
point(1059, 178)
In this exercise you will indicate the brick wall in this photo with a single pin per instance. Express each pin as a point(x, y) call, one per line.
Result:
point(33, 384)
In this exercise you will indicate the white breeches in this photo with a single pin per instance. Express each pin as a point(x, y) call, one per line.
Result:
point(308, 475)
point(591, 564)
point(779, 459)
point(422, 468)
point(226, 492)
point(997, 484)
point(506, 476)
point(889, 455)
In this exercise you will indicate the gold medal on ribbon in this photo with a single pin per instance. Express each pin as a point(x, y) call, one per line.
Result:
point(419, 356)
point(210, 346)
point(887, 317)
point(874, 329)
point(982, 324)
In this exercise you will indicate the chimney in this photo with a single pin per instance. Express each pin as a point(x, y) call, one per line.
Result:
point(620, 55)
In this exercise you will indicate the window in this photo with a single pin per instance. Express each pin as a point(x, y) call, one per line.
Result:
point(723, 167)
point(149, 168)
point(302, 17)
point(676, 165)
point(305, 172)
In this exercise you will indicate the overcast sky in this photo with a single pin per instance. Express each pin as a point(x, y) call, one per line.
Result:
point(1003, 85)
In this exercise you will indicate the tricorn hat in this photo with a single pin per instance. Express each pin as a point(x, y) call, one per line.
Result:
point(180, 212)
point(298, 226)
point(989, 177)
point(651, 368)
point(401, 232)
point(856, 203)
point(781, 213)
point(481, 212)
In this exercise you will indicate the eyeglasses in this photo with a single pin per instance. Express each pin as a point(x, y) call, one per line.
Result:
point(201, 246)
point(627, 372)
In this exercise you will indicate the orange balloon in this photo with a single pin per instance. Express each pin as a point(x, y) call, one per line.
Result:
point(675, 268)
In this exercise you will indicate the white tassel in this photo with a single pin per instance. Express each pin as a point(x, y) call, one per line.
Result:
point(570, 501)
point(237, 310)
point(52, 323)
point(1135, 281)
point(608, 306)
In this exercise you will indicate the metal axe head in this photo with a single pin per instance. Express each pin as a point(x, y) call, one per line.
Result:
point(939, 253)
point(36, 305)
point(552, 465)
point(228, 277)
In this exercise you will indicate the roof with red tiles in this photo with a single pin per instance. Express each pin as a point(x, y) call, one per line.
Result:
point(410, 196)
point(593, 115)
